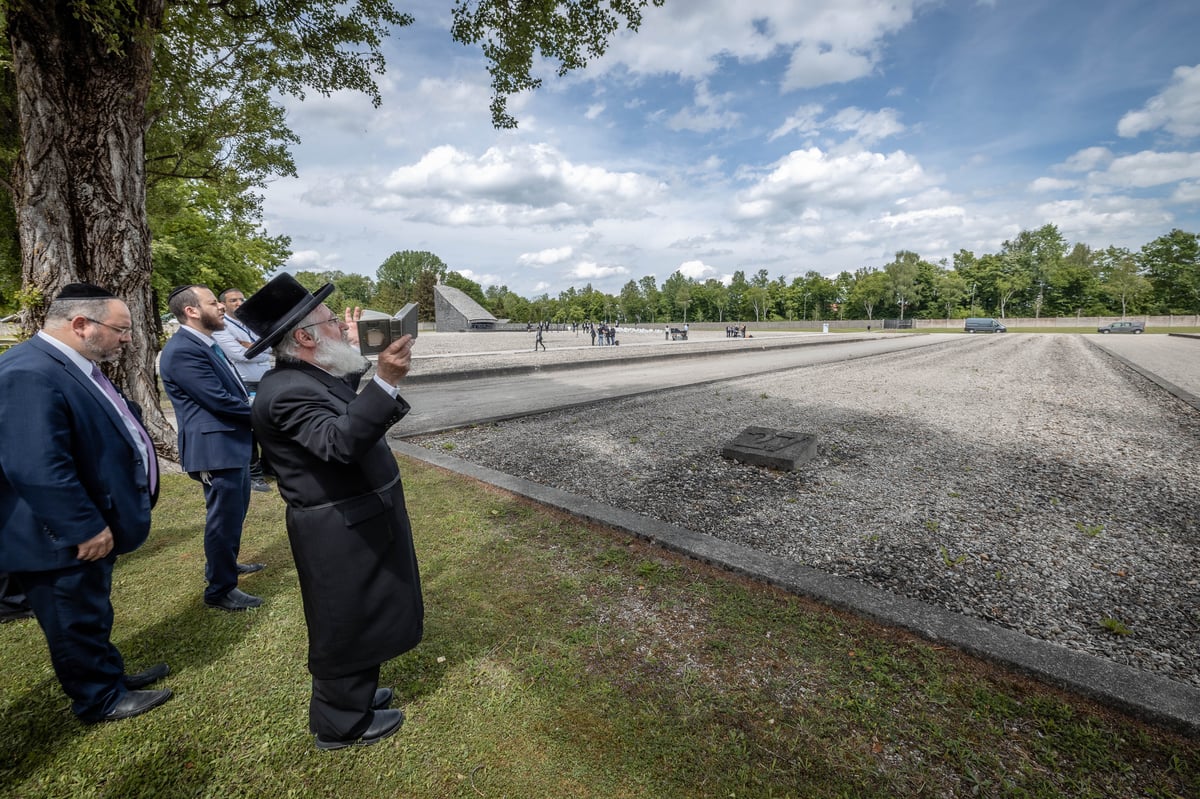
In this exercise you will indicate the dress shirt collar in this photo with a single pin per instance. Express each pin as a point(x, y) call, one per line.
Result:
point(75, 357)
point(207, 339)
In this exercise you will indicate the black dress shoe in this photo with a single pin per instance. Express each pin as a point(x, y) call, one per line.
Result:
point(259, 484)
point(143, 678)
point(383, 724)
point(233, 601)
point(382, 699)
point(135, 703)
point(15, 615)
point(250, 568)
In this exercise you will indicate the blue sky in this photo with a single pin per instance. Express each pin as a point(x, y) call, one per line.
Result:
point(741, 135)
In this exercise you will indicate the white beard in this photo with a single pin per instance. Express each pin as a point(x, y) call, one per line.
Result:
point(339, 357)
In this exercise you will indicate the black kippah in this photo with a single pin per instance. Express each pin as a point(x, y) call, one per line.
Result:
point(83, 291)
point(178, 290)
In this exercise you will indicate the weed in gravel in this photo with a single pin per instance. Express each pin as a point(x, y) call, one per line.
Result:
point(950, 561)
point(1115, 626)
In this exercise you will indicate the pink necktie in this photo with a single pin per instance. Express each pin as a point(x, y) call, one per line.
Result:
point(108, 388)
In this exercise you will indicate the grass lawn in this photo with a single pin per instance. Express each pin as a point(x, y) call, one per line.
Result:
point(559, 660)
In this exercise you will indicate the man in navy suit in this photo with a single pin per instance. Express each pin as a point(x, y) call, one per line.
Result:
point(78, 477)
point(212, 412)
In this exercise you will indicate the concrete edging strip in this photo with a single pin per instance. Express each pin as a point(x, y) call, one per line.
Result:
point(1180, 393)
point(1141, 694)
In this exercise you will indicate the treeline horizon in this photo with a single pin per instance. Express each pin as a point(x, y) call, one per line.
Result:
point(1034, 275)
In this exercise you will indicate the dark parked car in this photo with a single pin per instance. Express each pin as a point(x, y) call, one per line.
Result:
point(983, 325)
point(1124, 326)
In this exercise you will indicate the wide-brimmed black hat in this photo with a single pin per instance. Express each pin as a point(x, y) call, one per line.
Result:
point(274, 309)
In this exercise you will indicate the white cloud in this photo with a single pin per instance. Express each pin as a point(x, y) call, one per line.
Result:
point(813, 178)
point(526, 184)
point(1042, 185)
point(1147, 168)
point(590, 270)
point(697, 270)
point(707, 113)
point(1175, 109)
point(803, 121)
point(867, 127)
point(1187, 192)
point(816, 64)
point(925, 217)
point(829, 41)
point(594, 111)
point(1103, 218)
point(311, 261)
point(481, 278)
point(1088, 159)
point(554, 255)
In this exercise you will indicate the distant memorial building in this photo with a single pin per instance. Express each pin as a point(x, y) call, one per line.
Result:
point(455, 312)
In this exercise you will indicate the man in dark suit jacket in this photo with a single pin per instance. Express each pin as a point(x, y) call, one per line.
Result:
point(212, 412)
point(346, 518)
point(78, 477)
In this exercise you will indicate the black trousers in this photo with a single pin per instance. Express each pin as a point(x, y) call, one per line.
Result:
point(73, 608)
point(340, 709)
point(13, 604)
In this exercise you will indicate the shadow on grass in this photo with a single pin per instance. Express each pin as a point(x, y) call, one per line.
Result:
point(160, 583)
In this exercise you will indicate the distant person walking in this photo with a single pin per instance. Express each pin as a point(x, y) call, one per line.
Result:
point(537, 342)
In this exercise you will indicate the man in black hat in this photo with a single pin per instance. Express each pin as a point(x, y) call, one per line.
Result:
point(78, 477)
point(212, 413)
point(346, 518)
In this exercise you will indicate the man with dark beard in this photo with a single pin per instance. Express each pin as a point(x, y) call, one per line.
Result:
point(346, 517)
point(212, 413)
point(78, 477)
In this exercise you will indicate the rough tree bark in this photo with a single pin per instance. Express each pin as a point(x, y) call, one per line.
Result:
point(79, 181)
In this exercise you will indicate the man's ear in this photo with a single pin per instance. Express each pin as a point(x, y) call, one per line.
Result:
point(304, 338)
point(78, 323)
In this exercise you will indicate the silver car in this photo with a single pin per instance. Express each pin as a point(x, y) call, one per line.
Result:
point(1124, 326)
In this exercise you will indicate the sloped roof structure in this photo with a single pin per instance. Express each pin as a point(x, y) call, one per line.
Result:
point(455, 311)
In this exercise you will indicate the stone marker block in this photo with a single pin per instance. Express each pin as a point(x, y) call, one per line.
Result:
point(778, 449)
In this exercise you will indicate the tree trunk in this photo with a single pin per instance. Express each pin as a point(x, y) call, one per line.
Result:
point(79, 183)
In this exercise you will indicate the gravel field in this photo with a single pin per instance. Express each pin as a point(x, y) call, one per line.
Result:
point(1028, 480)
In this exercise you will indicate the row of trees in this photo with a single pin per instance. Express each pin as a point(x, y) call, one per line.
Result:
point(1034, 275)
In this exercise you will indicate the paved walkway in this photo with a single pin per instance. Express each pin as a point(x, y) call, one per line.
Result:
point(1172, 362)
point(491, 387)
point(521, 388)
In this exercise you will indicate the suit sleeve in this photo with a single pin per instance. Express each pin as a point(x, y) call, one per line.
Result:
point(194, 372)
point(310, 416)
point(39, 459)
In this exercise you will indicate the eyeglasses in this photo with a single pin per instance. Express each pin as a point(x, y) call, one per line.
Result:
point(332, 319)
point(120, 331)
